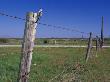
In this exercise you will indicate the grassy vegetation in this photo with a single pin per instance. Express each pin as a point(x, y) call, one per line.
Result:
point(49, 62)
point(11, 41)
point(50, 41)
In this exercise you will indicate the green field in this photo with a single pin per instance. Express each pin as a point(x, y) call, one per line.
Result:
point(52, 41)
point(50, 62)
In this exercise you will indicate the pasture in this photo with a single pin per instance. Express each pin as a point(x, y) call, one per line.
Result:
point(53, 41)
point(57, 65)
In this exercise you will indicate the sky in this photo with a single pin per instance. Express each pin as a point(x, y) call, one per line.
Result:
point(82, 15)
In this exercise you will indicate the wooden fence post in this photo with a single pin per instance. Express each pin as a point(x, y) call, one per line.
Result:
point(102, 37)
point(97, 44)
point(89, 47)
point(100, 42)
point(27, 46)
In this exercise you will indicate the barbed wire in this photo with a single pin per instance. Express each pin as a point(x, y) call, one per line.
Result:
point(74, 69)
point(15, 17)
point(48, 25)
point(64, 28)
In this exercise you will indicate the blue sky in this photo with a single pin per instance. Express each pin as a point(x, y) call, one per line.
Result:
point(84, 15)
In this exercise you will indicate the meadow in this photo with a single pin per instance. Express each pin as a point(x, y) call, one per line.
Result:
point(57, 65)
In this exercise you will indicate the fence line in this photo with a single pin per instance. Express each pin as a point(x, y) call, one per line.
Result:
point(23, 75)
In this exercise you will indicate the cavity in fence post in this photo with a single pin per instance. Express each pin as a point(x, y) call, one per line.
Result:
point(89, 47)
point(97, 44)
point(27, 46)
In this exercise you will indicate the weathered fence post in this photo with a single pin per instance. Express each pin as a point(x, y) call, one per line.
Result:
point(28, 44)
point(102, 37)
point(100, 42)
point(89, 47)
point(97, 44)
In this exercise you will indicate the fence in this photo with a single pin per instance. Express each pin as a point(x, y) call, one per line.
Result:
point(28, 43)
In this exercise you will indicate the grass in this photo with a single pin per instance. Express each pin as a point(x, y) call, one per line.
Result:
point(49, 62)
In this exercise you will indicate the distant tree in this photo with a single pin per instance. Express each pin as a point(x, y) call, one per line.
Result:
point(4, 40)
point(45, 41)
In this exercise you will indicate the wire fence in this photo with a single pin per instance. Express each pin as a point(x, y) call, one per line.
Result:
point(53, 26)
point(73, 69)
point(49, 25)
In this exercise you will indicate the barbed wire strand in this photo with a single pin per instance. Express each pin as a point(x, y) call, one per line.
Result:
point(60, 74)
point(48, 25)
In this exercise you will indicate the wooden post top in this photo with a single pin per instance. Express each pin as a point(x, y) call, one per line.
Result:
point(31, 16)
